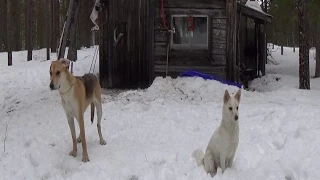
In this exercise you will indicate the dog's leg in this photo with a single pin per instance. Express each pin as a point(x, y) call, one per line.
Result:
point(99, 114)
point(85, 157)
point(73, 135)
point(223, 161)
point(209, 165)
point(230, 161)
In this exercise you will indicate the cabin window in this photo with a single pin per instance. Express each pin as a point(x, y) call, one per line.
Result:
point(191, 31)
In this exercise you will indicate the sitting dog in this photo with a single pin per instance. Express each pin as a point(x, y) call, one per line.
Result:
point(77, 93)
point(223, 144)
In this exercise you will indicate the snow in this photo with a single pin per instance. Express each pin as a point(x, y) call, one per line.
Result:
point(152, 133)
point(255, 5)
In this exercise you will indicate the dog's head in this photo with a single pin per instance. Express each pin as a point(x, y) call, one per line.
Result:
point(58, 73)
point(231, 105)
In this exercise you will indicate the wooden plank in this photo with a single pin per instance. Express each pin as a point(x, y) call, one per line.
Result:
point(160, 36)
point(219, 59)
point(161, 68)
point(160, 49)
point(215, 13)
point(199, 4)
point(219, 36)
point(219, 23)
point(252, 13)
point(216, 60)
point(219, 48)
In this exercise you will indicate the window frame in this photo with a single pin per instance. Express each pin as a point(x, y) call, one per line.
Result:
point(189, 46)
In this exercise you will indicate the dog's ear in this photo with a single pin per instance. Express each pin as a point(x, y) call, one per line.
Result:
point(65, 62)
point(238, 95)
point(226, 96)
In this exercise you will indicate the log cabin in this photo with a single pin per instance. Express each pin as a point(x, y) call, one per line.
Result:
point(143, 39)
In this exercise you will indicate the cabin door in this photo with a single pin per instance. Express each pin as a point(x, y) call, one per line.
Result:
point(128, 43)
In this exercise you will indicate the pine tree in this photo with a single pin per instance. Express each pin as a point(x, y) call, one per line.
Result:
point(304, 77)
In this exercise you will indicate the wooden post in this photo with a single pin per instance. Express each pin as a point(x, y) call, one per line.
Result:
point(231, 38)
point(9, 31)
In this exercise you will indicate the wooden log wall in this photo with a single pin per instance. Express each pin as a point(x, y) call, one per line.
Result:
point(213, 60)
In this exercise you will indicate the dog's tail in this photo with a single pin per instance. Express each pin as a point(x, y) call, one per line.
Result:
point(199, 156)
point(92, 112)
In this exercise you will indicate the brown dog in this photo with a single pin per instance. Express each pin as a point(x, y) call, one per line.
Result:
point(76, 95)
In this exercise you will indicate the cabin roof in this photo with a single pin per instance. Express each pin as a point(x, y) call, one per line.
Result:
point(254, 13)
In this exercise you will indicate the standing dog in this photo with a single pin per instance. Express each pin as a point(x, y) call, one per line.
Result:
point(77, 93)
point(223, 144)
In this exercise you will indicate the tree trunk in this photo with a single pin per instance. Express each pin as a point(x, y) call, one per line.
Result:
point(52, 25)
point(48, 28)
point(72, 52)
point(4, 36)
point(281, 50)
point(29, 28)
point(317, 74)
point(16, 39)
point(55, 25)
point(304, 74)
point(9, 31)
point(265, 6)
point(66, 29)
point(317, 45)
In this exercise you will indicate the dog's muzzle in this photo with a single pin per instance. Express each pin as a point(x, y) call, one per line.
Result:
point(51, 86)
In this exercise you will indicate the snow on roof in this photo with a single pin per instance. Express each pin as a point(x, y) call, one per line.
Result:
point(255, 5)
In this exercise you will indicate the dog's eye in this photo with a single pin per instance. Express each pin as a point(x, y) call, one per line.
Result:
point(230, 108)
point(57, 73)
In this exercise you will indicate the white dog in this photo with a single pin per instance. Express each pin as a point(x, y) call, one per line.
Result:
point(223, 144)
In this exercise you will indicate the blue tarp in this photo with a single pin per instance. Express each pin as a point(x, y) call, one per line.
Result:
point(191, 73)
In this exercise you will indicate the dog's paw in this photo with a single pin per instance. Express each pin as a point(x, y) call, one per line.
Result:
point(85, 158)
point(78, 140)
point(103, 142)
point(213, 174)
point(73, 153)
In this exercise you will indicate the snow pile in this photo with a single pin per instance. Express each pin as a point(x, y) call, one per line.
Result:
point(152, 133)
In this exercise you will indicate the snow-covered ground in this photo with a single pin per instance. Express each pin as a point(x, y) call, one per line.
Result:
point(152, 133)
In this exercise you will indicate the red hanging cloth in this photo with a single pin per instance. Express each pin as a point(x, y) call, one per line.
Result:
point(190, 23)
